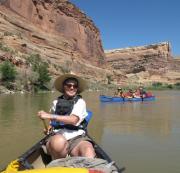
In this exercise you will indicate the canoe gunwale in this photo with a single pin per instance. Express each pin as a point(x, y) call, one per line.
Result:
point(23, 159)
point(112, 99)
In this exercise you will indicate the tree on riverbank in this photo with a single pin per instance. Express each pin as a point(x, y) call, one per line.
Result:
point(8, 71)
point(8, 74)
point(34, 78)
point(40, 68)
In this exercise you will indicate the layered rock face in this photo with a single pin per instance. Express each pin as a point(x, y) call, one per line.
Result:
point(57, 30)
point(145, 64)
point(70, 42)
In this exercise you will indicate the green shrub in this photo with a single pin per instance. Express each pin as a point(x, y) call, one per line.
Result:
point(4, 48)
point(41, 68)
point(44, 76)
point(9, 85)
point(8, 71)
point(157, 84)
point(35, 61)
point(170, 86)
point(177, 85)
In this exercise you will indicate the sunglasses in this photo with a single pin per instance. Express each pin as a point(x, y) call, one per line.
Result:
point(71, 85)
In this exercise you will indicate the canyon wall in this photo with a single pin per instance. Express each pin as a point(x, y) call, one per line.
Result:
point(58, 31)
point(68, 40)
point(144, 64)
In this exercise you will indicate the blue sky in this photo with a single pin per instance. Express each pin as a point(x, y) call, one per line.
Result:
point(127, 23)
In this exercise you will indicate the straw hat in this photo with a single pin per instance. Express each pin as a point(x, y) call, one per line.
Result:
point(58, 84)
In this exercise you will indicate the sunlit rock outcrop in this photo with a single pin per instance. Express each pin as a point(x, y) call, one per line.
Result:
point(145, 64)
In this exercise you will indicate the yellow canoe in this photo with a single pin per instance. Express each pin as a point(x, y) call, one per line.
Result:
point(14, 167)
point(35, 160)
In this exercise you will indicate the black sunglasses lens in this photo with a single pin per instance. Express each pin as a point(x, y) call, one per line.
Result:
point(71, 85)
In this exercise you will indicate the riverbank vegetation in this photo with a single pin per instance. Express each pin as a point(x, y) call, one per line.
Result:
point(164, 86)
point(34, 78)
point(8, 74)
point(153, 86)
point(40, 72)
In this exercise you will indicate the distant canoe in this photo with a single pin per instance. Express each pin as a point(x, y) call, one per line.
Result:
point(104, 98)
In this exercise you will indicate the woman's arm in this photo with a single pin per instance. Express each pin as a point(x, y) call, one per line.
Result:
point(70, 119)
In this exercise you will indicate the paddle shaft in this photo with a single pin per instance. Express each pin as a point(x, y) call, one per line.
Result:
point(45, 125)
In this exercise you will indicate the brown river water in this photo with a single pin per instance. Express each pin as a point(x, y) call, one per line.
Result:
point(142, 136)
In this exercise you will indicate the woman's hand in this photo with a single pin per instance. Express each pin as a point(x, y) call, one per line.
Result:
point(44, 115)
point(48, 130)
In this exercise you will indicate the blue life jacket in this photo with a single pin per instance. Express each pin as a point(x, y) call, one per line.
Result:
point(64, 108)
point(83, 125)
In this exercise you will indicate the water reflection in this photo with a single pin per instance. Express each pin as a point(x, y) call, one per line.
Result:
point(143, 136)
point(96, 125)
point(138, 117)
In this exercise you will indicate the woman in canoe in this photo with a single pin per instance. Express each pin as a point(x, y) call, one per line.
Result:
point(69, 112)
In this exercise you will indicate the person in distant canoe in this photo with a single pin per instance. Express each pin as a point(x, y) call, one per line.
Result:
point(69, 110)
point(142, 92)
point(119, 93)
point(137, 93)
point(145, 94)
point(129, 94)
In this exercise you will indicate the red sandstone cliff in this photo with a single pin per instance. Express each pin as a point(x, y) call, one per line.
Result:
point(70, 42)
point(57, 30)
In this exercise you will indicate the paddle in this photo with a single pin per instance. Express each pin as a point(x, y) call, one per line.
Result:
point(45, 125)
point(48, 130)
